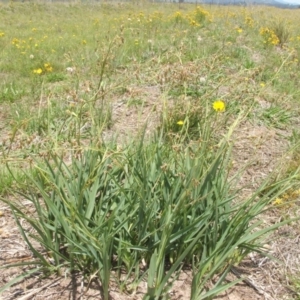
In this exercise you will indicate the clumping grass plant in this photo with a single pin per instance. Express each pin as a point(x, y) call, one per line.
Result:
point(143, 212)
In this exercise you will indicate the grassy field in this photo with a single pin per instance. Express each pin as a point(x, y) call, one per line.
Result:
point(140, 141)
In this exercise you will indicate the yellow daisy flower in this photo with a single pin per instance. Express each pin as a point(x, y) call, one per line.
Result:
point(38, 71)
point(219, 105)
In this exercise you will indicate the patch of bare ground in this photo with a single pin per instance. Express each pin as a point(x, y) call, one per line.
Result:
point(258, 148)
point(137, 108)
point(4, 128)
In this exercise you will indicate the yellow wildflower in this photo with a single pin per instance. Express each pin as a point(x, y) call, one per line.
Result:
point(219, 105)
point(194, 23)
point(269, 36)
point(249, 21)
point(278, 201)
point(2, 34)
point(180, 123)
point(38, 71)
point(178, 17)
point(48, 67)
point(15, 41)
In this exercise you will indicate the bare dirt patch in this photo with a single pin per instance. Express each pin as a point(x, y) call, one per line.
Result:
point(138, 108)
point(258, 150)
